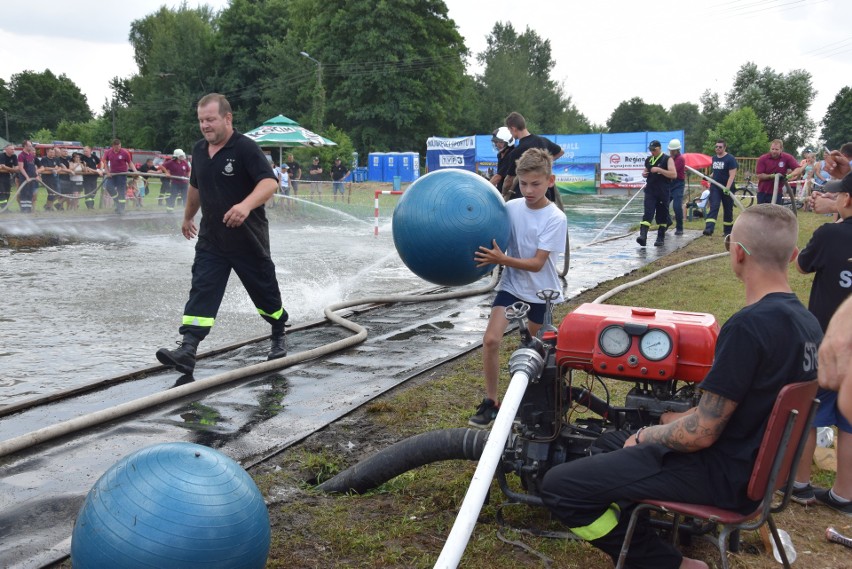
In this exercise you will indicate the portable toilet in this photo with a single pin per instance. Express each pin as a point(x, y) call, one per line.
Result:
point(391, 166)
point(409, 166)
point(375, 166)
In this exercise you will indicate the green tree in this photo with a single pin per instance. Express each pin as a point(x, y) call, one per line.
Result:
point(391, 70)
point(94, 132)
point(517, 76)
point(41, 100)
point(636, 115)
point(686, 116)
point(743, 132)
point(837, 122)
point(248, 31)
point(155, 108)
point(781, 101)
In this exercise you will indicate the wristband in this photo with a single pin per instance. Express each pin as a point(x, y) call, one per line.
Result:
point(638, 433)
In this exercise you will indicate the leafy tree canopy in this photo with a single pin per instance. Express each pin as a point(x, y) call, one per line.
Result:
point(837, 123)
point(743, 132)
point(41, 101)
point(517, 76)
point(636, 115)
point(781, 101)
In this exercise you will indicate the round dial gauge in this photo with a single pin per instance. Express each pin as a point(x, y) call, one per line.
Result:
point(614, 341)
point(655, 345)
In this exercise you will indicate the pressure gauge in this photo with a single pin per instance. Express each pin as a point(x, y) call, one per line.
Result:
point(614, 341)
point(655, 345)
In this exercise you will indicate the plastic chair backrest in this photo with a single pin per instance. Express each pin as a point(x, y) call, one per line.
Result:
point(793, 397)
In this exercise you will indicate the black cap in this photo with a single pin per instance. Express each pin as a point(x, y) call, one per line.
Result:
point(654, 144)
point(836, 186)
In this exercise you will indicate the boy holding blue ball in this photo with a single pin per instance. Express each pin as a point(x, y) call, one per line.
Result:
point(538, 232)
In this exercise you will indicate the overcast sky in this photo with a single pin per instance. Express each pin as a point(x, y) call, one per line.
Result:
point(606, 51)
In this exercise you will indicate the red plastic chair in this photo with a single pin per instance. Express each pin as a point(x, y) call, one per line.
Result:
point(774, 470)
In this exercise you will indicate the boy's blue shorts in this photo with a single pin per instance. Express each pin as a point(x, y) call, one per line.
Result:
point(536, 313)
point(827, 414)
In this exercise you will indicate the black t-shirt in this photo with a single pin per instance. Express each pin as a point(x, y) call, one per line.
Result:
point(527, 142)
point(503, 164)
point(828, 255)
point(51, 180)
point(760, 349)
point(338, 172)
point(315, 171)
point(65, 177)
point(294, 169)
point(8, 161)
point(91, 161)
point(224, 181)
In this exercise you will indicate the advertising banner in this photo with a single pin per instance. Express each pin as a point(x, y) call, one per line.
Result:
point(575, 178)
point(622, 169)
point(451, 153)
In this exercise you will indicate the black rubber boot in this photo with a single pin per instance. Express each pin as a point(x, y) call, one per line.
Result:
point(643, 235)
point(183, 358)
point(278, 347)
point(661, 236)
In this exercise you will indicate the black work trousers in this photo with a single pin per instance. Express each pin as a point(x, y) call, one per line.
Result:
point(657, 205)
point(594, 496)
point(210, 273)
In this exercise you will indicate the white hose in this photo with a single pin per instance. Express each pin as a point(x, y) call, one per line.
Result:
point(717, 184)
point(625, 286)
point(619, 213)
point(481, 482)
point(78, 423)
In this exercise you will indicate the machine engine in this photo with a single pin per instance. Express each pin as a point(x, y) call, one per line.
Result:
point(665, 354)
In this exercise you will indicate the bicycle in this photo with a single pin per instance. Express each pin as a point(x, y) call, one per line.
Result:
point(745, 194)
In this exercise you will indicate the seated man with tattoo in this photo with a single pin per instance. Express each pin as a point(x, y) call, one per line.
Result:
point(706, 455)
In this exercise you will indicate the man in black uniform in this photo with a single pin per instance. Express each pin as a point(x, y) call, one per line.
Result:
point(90, 176)
point(658, 173)
point(705, 455)
point(64, 176)
point(503, 143)
point(48, 171)
point(231, 179)
point(8, 167)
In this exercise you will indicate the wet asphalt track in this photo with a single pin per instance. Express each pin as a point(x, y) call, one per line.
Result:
point(42, 488)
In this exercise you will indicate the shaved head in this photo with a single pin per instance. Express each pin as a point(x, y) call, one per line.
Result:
point(770, 232)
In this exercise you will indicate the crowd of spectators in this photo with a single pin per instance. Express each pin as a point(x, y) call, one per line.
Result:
point(65, 176)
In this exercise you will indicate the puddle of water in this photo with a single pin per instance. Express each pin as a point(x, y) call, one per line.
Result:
point(102, 305)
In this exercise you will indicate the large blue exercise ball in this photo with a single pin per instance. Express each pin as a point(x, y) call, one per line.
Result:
point(172, 505)
point(441, 221)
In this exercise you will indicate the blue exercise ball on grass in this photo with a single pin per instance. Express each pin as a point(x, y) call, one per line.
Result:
point(441, 221)
point(172, 505)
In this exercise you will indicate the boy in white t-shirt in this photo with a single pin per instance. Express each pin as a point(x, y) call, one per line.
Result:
point(538, 232)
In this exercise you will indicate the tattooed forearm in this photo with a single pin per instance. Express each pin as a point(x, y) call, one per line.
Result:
point(694, 431)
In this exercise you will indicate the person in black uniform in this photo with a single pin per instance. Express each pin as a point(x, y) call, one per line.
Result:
point(524, 140)
point(504, 144)
point(828, 255)
point(705, 455)
point(8, 167)
point(230, 181)
point(92, 164)
point(658, 173)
